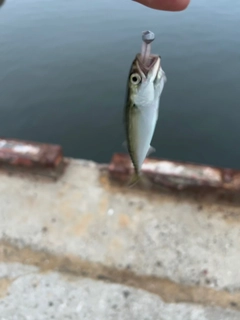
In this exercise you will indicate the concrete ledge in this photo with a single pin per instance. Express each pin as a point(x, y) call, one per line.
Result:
point(179, 246)
point(32, 295)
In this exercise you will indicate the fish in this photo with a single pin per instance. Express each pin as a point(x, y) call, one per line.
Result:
point(145, 84)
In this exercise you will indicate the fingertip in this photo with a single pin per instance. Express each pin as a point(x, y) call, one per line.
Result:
point(166, 5)
point(182, 4)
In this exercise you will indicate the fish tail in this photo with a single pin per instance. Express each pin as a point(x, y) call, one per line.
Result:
point(134, 179)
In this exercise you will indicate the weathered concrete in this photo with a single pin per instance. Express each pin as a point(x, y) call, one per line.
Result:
point(33, 296)
point(181, 248)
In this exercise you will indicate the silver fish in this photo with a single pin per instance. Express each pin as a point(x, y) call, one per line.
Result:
point(145, 85)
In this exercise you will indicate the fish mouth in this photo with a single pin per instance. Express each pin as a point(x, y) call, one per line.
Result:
point(147, 63)
point(146, 60)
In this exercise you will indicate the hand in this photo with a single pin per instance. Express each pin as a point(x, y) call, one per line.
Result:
point(168, 5)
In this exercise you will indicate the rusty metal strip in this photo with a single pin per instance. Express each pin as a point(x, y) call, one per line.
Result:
point(177, 175)
point(28, 154)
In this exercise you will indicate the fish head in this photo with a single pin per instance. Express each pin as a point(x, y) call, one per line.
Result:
point(145, 78)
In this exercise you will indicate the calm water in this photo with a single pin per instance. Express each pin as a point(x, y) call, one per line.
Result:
point(63, 69)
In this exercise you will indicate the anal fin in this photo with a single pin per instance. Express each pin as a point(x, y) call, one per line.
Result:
point(151, 150)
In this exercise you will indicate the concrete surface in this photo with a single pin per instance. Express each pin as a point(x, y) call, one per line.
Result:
point(90, 241)
point(35, 296)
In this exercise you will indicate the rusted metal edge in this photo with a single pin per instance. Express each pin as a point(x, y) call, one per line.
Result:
point(20, 155)
point(47, 159)
point(176, 175)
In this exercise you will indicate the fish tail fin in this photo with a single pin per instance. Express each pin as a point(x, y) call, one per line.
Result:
point(134, 179)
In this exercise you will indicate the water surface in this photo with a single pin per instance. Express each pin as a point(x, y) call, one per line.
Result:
point(64, 64)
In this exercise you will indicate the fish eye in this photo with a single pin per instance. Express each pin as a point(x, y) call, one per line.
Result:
point(135, 78)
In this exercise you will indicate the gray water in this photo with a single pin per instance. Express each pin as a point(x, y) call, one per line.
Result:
point(64, 65)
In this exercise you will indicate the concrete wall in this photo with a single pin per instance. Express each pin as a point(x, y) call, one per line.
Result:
point(82, 247)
